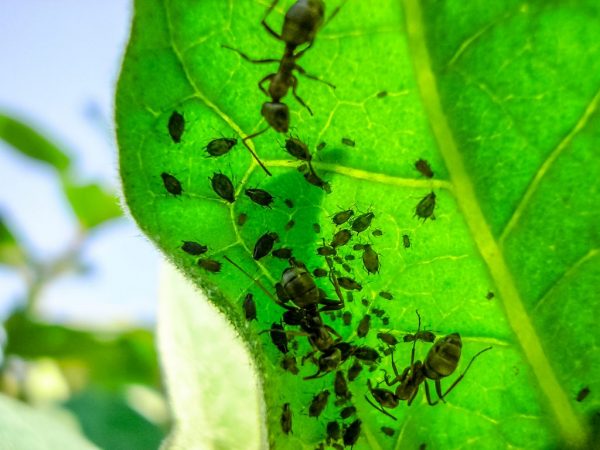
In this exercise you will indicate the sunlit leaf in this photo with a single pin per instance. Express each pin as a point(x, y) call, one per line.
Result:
point(11, 253)
point(92, 204)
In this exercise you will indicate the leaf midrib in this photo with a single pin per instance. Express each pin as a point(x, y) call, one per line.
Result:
point(571, 428)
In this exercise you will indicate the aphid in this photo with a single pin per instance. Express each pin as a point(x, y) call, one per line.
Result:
point(341, 238)
point(172, 184)
point(338, 259)
point(349, 297)
point(352, 433)
point(325, 251)
point(341, 386)
point(349, 284)
point(385, 321)
point(342, 217)
point(319, 273)
point(264, 245)
point(286, 418)
point(288, 203)
point(370, 259)
point(221, 146)
point(176, 126)
point(317, 181)
point(282, 253)
point(193, 248)
point(290, 225)
point(387, 431)
point(349, 142)
point(297, 149)
point(426, 206)
point(347, 412)
point(357, 247)
point(425, 336)
point(366, 354)
point(241, 220)
point(363, 326)
point(347, 317)
point(382, 94)
point(388, 338)
point(278, 337)
point(318, 404)
point(347, 268)
point(377, 233)
point(210, 265)
point(423, 166)
point(362, 222)
point(349, 257)
point(386, 295)
point(260, 197)
point(378, 312)
point(316, 228)
point(423, 446)
point(489, 295)
point(249, 307)
point(354, 371)
point(321, 146)
point(289, 363)
point(223, 187)
point(583, 393)
point(364, 301)
point(406, 240)
point(334, 432)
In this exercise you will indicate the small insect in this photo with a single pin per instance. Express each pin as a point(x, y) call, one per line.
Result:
point(364, 302)
point(362, 222)
point(341, 386)
point(282, 253)
point(426, 206)
point(423, 166)
point(223, 187)
point(342, 217)
point(583, 393)
point(378, 312)
point(221, 146)
point(317, 181)
point(349, 142)
point(357, 247)
point(366, 354)
point(176, 126)
point(249, 307)
point(406, 240)
point(334, 432)
point(325, 251)
point(172, 184)
point(354, 371)
point(347, 317)
point(387, 431)
point(388, 338)
point(341, 238)
point(319, 273)
point(260, 197)
point(425, 336)
point(386, 295)
point(318, 404)
point(370, 259)
point(349, 257)
point(210, 265)
point(363, 326)
point(264, 245)
point(489, 295)
point(385, 321)
point(423, 446)
point(288, 203)
point(290, 225)
point(297, 149)
point(377, 233)
point(289, 363)
point(286, 418)
point(352, 432)
point(347, 268)
point(349, 297)
point(278, 337)
point(349, 284)
point(382, 94)
point(321, 146)
point(338, 259)
point(242, 218)
point(347, 412)
point(316, 228)
point(193, 248)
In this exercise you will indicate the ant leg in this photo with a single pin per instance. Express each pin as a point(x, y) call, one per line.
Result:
point(428, 394)
point(247, 58)
point(265, 79)
point(266, 25)
point(332, 331)
point(412, 354)
point(303, 72)
point(258, 283)
point(332, 276)
point(379, 408)
point(254, 155)
point(463, 374)
point(294, 86)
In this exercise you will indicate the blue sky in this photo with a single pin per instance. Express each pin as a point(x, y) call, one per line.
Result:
point(60, 62)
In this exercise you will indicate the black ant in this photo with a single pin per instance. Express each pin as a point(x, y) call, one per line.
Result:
point(441, 361)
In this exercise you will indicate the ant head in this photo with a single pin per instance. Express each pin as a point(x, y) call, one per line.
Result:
point(277, 115)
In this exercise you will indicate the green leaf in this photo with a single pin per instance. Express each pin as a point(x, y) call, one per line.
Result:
point(91, 203)
point(32, 143)
point(11, 253)
point(501, 99)
point(25, 428)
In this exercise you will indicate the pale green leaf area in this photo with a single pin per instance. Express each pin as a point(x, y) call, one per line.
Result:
point(91, 204)
point(25, 428)
point(11, 253)
point(479, 91)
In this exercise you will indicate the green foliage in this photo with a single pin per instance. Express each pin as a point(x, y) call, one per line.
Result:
point(503, 103)
point(92, 204)
point(11, 252)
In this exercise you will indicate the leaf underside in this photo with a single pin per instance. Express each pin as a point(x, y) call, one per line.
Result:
point(501, 100)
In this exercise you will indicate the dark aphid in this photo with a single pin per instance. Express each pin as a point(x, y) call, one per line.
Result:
point(377, 233)
point(366, 354)
point(318, 404)
point(223, 187)
point(349, 284)
point(241, 220)
point(347, 268)
point(176, 126)
point(342, 217)
point(357, 247)
point(382, 94)
point(288, 203)
point(264, 245)
point(370, 259)
point(354, 371)
point(387, 431)
point(297, 149)
point(316, 228)
point(338, 259)
point(325, 251)
point(406, 240)
point(489, 295)
point(425, 336)
point(423, 166)
point(349, 297)
point(286, 418)
point(423, 446)
point(364, 301)
point(426, 206)
point(385, 321)
point(317, 181)
point(341, 238)
point(278, 337)
point(362, 222)
point(349, 257)
point(347, 317)
point(210, 265)
point(363, 326)
point(378, 312)
point(387, 351)
point(349, 142)
point(282, 253)
point(347, 412)
point(172, 184)
point(193, 248)
point(289, 363)
point(218, 147)
point(321, 146)
point(249, 307)
point(334, 432)
point(260, 197)
point(583, 393)
point(290, 225)
point(319, 273)
point(386, 295)
point(388, 338)
point(341, 386)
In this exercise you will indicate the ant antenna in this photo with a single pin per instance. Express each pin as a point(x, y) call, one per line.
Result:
point(254, 155)
point(258, 283)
